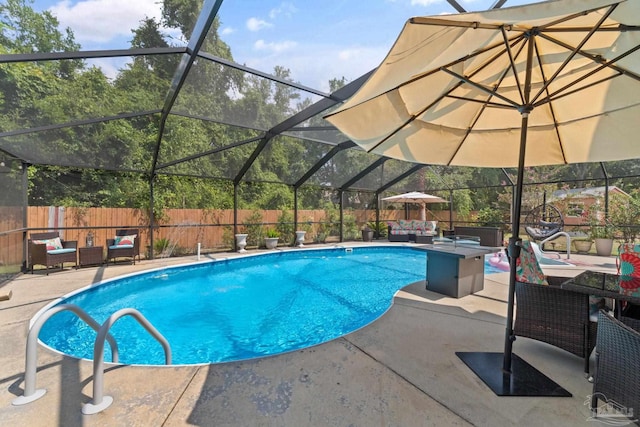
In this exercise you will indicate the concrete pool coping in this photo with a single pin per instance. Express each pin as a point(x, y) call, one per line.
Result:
point(400, 371)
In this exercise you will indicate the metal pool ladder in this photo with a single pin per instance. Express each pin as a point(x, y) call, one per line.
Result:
point(99, 402)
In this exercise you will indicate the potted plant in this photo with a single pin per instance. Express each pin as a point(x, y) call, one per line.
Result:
point(603, 237)
point(379, 229)
point(367, 233)
point(271, 240)
point(582, 244)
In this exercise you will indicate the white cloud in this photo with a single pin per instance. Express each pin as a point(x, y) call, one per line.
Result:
point(424, 2)
point(227, 30)
point(255, 24)
point(306, 67)
point(100, 21)
point(286, 8)
point(274, 47)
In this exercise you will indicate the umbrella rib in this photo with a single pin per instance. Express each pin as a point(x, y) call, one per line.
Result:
point(599, 59)
point(556, 95)
point(574, 51)
point(448, 94)
point(549, 25)
point(428, 73)
point(553, 113)
point(488, 101)
point(512, 64)
point(467, 80)
point(413, 117)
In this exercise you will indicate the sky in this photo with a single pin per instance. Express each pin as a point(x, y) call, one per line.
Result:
point(315, 40)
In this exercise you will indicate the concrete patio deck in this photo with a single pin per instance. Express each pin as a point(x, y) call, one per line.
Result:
point(399, 371)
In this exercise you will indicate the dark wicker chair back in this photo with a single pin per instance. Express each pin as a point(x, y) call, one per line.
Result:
point(547, 313)
point(555, 316)
point(113, 253)
point(617, 379)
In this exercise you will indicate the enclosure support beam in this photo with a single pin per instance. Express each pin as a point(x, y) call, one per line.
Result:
point(341, 193)
point(295, 208)
point(25, 216)
point(198, 35)
point(377, 202)
point(606, 191)
point(313, 169)
point(450, 209)
point(152, 217)
point(364, 173)
point(235, 213)
point(400, 177)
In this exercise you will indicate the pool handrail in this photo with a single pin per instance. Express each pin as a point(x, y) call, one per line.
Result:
point(101, 402)
point(30, 392)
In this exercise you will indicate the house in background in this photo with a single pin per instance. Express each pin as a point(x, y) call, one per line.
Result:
point(576, 202)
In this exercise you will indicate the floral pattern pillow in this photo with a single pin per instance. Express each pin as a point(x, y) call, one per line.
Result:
point(527, 268)
point(52, 244)
point(125, 240)
point(629, 260)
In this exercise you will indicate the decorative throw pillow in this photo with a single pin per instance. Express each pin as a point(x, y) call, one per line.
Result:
point(528, 270)
point(52, 244)
point(405, 224)
point(629, 264)
point(125, 240)
point(397, 229)
point(418, 226)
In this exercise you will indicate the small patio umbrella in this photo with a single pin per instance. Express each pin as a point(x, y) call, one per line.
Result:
point(554, 82)
point(416, 197)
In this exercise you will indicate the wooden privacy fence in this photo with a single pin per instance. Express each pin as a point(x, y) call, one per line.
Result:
point(184, 228)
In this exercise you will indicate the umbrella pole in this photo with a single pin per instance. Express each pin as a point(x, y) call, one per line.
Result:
point(513, 249)
point(505, 373)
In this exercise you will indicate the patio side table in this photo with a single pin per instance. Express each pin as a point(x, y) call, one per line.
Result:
point(91, 255)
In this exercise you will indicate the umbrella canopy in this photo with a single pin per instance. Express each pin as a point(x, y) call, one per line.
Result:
point(453, 88)
point(555, 82)
point(416, 197)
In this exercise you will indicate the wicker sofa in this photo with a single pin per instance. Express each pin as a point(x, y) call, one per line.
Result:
point(412, 230)
point(50, 250)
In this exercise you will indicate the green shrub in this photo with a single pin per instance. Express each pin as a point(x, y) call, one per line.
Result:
point(285, 226)
point(160, 245)
point(253, 227)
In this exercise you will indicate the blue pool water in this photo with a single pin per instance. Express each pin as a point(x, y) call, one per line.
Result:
point(241, 308)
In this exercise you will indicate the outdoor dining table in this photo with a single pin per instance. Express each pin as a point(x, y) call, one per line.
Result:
point(617, 287)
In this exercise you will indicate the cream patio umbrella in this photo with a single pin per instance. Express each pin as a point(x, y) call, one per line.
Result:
point(555, 82)
point(416, 197)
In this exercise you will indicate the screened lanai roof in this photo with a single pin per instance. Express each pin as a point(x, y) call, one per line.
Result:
point(193, 112)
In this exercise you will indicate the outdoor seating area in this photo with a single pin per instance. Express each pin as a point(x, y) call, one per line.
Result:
point(220, 130)
point(412, 230)
point(424, 381)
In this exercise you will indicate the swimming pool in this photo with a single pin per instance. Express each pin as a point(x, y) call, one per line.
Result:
point(241, 308)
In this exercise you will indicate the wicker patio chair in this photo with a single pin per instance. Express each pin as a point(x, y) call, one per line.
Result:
point(617, 376)
point(43, 252)
point(117, 250)
point(547, 313)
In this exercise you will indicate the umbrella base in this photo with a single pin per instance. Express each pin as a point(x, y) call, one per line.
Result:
point(524, 379)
